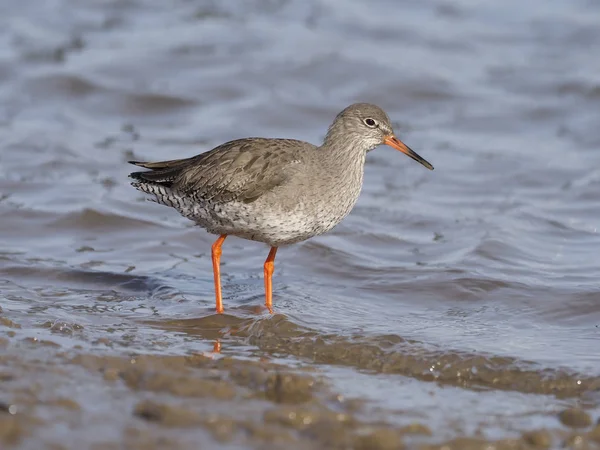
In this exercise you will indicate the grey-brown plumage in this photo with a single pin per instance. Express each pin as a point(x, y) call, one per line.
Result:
point(276, 191)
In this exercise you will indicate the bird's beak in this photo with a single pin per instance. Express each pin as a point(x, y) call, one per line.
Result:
point(396, 143)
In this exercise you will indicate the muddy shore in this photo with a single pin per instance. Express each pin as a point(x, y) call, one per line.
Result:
point(60, 398)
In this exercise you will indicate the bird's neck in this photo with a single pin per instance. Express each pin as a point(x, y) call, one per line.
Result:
point(344, 150)
point(344, 159)
point(342, 164)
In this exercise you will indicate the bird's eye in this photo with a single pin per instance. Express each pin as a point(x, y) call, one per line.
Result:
point(370, 123)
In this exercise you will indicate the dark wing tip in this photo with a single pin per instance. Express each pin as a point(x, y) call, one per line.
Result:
point(137, 175)
point(138, 163)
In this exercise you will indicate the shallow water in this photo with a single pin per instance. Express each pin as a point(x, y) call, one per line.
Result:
point(466, 298)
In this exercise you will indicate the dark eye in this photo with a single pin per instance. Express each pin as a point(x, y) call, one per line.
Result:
point(370, 123)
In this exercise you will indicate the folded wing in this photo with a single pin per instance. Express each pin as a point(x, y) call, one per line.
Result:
point(241, 170)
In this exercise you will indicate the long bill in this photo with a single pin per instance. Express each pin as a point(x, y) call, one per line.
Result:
point(396, 143)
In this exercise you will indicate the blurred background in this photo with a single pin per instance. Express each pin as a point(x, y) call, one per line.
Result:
point(456, 307)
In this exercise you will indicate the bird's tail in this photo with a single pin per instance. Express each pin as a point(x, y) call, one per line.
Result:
point(163, 172)
point(158, 181)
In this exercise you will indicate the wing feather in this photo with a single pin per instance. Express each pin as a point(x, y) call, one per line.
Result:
point(241, 170)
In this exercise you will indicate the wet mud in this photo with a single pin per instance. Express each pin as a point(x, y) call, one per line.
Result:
point(160, 401)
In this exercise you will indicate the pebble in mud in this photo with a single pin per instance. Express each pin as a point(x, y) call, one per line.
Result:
point(144, 439)
point(577, 442)
point(265, 433)
point(316, 423)
point(176, 384)
point(111, 374)
point(380, 439)
point(11, 430)
point(463, 443)
point(252, 377)
point(302, 418)
point(575, 418)
point(416, 428)
point(222, 427)
point(44, 342)
point(167, 415)
point(329, 435)
point(63, 327)
point(64, 402)
point(288, 388)
point(594, 434)
point(9, 323)
point(538, 438)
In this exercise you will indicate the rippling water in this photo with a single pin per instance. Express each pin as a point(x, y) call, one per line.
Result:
point(488, 265)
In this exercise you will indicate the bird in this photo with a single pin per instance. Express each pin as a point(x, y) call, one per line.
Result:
point(272, 190)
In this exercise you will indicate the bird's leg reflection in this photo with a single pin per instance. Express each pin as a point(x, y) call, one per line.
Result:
point(215, 351)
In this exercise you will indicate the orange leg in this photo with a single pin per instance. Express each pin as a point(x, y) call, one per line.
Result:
point(216, 260)
point(269, 268)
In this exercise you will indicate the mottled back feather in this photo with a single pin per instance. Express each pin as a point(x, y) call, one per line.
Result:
point(241, 170)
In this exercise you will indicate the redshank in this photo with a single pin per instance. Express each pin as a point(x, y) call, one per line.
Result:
point(276, 191)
